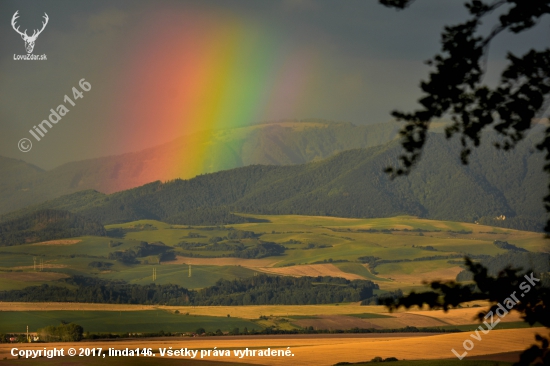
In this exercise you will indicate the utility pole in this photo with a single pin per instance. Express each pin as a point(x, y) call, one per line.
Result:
point(34, 260)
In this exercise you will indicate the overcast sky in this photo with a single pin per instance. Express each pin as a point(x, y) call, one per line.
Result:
point(362, 60)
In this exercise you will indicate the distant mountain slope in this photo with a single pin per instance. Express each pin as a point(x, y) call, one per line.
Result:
point(350, 184)
point(45, 225)
point(13, 177)
point(278, 143)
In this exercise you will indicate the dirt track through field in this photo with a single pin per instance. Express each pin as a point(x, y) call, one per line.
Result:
point(248, 263)
point(58, 242)
point(312, 270)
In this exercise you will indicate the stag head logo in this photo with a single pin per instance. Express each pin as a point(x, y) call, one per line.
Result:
point(29, 40)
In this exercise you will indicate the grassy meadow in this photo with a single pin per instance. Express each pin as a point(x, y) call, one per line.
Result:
point(314, 246)
point(105, 318)
point(147, 321)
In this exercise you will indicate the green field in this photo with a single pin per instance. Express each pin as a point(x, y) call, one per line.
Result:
point(410, 268)
point(9, 284)
point(359, 269)
point(147, 321)
point(201, 276)
point(308, 240)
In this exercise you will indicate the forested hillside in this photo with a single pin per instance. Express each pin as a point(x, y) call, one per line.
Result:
point(537, 262)
point(278, 143)
point(497, 184)
point(45, 225)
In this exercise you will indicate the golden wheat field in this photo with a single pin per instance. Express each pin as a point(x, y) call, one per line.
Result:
point(317, 316)
point(324, 350)
point(453, 316)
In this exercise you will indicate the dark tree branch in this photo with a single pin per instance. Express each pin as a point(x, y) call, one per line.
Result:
point(398, 4)
point(455, 90)
point(533, 306)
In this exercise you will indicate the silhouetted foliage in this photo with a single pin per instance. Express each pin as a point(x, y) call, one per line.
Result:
point(533, 306)
point(456, 90)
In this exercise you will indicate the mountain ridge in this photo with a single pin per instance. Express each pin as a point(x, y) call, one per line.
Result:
point(348, 184)
point(279, 143)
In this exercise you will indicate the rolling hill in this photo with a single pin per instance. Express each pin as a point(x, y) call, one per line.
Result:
point(396, 253)
point(276, 143)
point(496, 188)
point(45, 225)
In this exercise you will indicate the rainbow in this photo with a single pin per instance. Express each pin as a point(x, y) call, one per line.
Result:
point(208, 73)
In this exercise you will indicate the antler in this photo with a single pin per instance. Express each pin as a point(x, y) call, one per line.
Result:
point(35, 35)
point(15, 16)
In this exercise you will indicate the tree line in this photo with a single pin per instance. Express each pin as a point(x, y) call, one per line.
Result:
point(238, 250)
point(257, 290)
point(70, 332)
point(537, 262)
point(46, 225)
point(144, 249)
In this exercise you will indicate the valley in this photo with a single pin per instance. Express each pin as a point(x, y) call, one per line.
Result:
point(314, 246)
point(270, 255)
